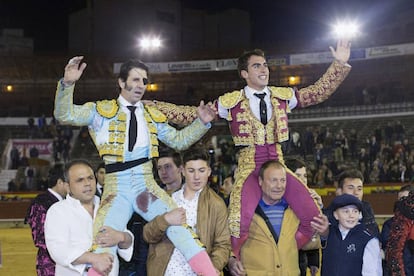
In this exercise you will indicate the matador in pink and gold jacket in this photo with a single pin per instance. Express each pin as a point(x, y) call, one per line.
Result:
point(259, 143)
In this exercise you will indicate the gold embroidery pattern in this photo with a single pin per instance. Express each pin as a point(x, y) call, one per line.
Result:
point(156, 114)
point(325, 86)
point(116, 138)
point(280, 129)
point(258, 134)
point(111, 186)
point(107, 108)
point(283, 93)
point(246, 166)
point(182, 115)
point(153, 131)
point(230, 99)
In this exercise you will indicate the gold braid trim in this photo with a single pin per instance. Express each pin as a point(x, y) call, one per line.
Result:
point(246, 166)
point(178, 114)
point(111, 184)
point(156, 114)
point(107, 108)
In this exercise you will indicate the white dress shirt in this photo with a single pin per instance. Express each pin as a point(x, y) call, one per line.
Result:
point(68, 234)
point(142, 129)
point(178, 264)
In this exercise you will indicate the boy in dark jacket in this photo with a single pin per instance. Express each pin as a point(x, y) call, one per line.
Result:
point(350, 249)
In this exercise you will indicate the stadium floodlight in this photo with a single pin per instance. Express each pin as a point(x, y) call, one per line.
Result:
point(346, 29)
point(150, 43)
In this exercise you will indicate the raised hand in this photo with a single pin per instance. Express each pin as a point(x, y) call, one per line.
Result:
point(343, 50)
point(73, 70)
point(206, 112)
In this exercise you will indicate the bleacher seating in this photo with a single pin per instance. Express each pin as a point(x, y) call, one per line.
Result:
point(5, 177)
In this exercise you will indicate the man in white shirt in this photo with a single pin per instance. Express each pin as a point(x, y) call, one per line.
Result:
point(69, 225)
point(201, 209)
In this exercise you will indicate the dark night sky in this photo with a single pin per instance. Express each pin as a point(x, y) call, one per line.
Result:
point(272, 20)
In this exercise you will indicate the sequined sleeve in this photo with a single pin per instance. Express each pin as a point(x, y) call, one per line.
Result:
point(325, 86)
point(68, 113)
point(184, 138)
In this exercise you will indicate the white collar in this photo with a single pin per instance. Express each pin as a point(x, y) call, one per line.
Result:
point(250, 91)
point(75, 201)
point(123, 102)
point(180, 193)
point(57, 195)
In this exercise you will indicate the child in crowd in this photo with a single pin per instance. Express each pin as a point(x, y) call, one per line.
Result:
point(350, 249)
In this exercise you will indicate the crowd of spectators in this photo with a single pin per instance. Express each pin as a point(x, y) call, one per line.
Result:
point(30, 174)
point(384, 156)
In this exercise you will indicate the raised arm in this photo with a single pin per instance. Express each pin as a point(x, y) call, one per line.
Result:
point(326, 85)
point(65, 111)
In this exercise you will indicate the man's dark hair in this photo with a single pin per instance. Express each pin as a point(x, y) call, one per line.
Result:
point(268, 164)
point(130, 64)
point(294, 163)
point(176, 157)
point(100, 166)
point(353, 173)
point(242, 62)
point(55, 173)
point(72, 163)
point(196, 153)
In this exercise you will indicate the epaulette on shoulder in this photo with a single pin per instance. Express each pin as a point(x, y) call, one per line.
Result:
point(155, 113)
point(107, 108)
point(230, 99)
point(283, 93)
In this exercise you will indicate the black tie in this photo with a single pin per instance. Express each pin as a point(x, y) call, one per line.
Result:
point(132, 134)
point(263, 108)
